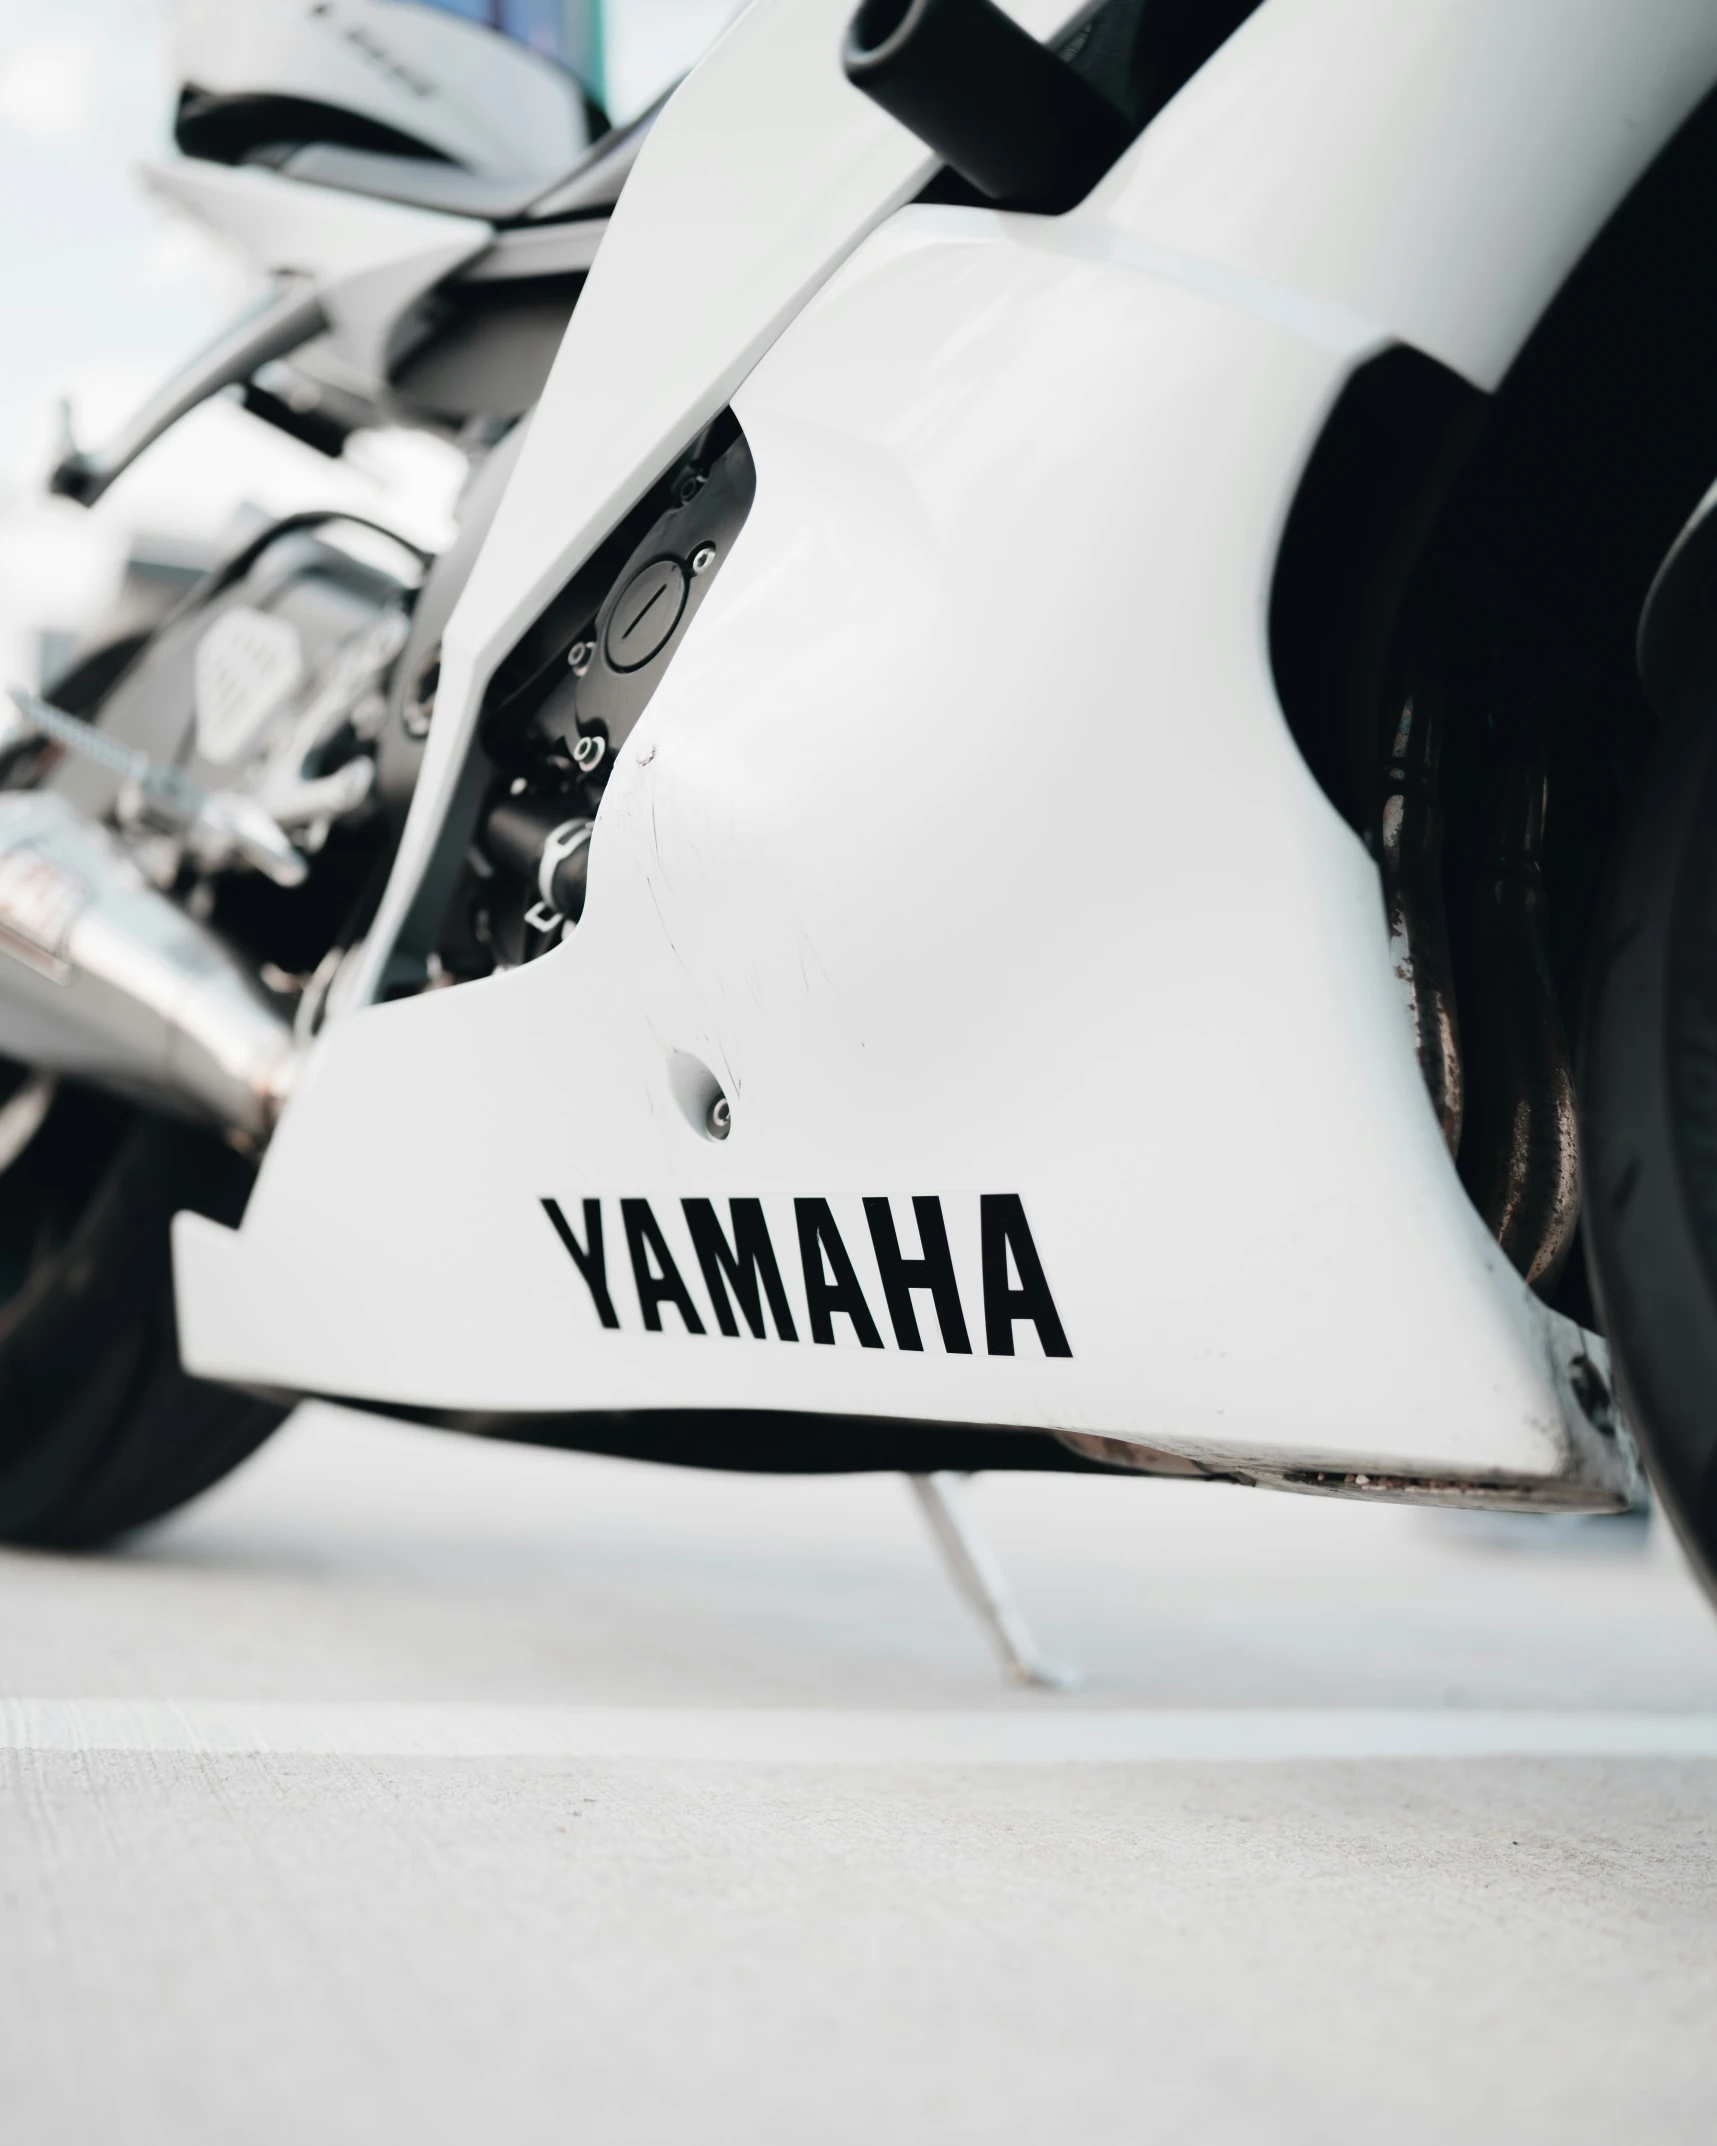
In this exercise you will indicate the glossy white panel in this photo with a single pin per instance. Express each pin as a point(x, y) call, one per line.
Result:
point(762, 174)
point(1437, 166)
point(965, 843)
point(370, 259)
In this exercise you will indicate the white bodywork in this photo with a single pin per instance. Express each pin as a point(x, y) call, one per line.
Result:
point(477, 99)
point(964, 843)
point(369, 260)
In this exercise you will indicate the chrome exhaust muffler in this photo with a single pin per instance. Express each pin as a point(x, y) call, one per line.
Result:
point(105, 979)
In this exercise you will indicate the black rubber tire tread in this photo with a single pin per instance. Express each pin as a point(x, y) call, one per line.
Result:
point(101, 1430)
point(1648, 1088)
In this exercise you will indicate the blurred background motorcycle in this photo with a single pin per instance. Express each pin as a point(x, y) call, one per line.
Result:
point(111, 286)
point(294, 273)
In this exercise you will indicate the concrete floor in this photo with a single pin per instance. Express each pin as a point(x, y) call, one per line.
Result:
point(412, 1788)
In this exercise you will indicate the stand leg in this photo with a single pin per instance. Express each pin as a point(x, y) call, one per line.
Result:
point(978, 1575)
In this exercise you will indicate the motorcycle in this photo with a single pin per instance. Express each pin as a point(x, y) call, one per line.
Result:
point(1096, 649)
point(419, 280)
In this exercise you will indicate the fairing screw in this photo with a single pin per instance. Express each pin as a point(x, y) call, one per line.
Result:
point(720, 1119)
point(587, 754)
point(703, 558)
point(578, 657)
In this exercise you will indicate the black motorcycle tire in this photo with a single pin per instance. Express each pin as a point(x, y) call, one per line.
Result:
point(101, 1430)
point(1648, 1087)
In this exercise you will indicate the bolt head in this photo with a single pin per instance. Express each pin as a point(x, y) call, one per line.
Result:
point(703, 558)
point(720, 1119)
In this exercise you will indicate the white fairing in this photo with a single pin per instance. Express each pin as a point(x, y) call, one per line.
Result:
point(470, 96)
point(370, 260)
point(1439, 165)
point(964, 843)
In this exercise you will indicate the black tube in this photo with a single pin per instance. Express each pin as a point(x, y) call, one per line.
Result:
point(516, 834)
point(1009, 116)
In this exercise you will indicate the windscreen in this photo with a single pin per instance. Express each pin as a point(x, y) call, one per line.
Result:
point(566, 31)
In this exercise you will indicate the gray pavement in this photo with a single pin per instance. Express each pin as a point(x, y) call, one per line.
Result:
point(409, 1787)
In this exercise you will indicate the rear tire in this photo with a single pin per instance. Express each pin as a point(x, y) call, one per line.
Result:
point(100, 1428)
point(1648, 1087)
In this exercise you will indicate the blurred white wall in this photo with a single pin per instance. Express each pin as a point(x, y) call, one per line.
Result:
point(102, 293)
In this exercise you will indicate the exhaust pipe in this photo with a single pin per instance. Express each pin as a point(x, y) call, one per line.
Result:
point(1009, 115)
point(103, 978)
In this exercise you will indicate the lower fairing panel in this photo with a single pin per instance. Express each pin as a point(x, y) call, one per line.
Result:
point(981, 875)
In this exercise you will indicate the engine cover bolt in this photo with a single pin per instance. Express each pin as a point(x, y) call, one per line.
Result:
point(703, 558)
point(587, 754)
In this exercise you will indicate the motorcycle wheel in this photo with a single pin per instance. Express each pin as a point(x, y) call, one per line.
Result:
point(100, 1428)
point(1648, 1087)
